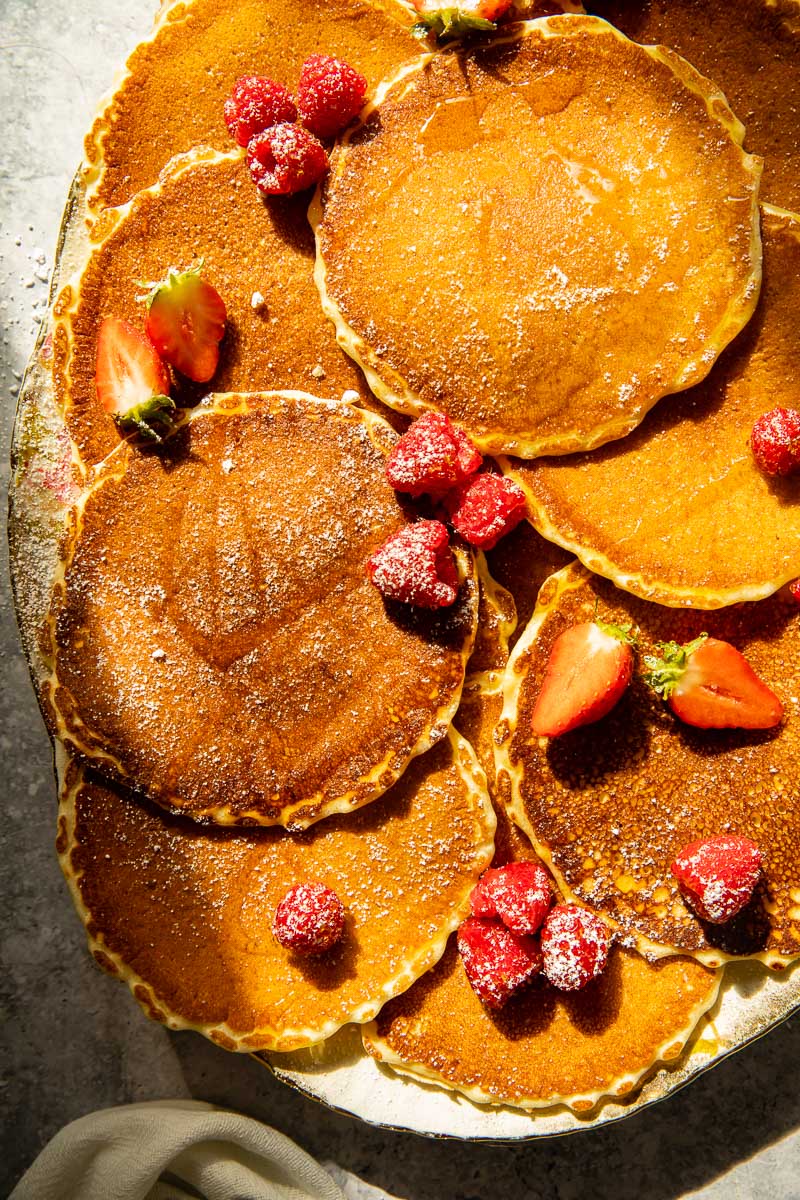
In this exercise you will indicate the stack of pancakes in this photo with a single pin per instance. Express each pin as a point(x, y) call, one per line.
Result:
point(555, 236)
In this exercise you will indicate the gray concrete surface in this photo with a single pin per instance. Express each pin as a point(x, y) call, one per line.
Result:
point(73, 1040)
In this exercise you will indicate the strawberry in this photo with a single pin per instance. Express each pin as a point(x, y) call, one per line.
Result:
point(497, 962)
point(432, 456)
point(794, 590)
point(709, 684)
point(255, 104)
point(416, 566)
point(575, 946)
point(518, 894)
point(185, 323)
point(455, 21)
point(329, 94)
point(132, 382)
point(485, 508)
point(589, 668)
point(718, 876)
point(309, 919)
point(286, 159)
point(775, 441)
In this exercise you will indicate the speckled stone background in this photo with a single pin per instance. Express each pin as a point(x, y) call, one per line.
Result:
point(74, 1040)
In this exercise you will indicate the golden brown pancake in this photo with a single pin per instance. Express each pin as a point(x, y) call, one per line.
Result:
point(217, 641)
point(520, 563)
point(205, 207)
point(751, 49)
point(679, 512)
point(545, 1047)
point(184, 914)
point(497, 621)
point(541, 237)
point(176, 82)
point(609, 805)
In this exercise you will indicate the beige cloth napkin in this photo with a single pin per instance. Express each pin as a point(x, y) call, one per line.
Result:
point(173, 1150)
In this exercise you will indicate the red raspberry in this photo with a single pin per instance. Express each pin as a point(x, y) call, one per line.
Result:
point(309, 919)
point(485, 508)
point(286, 159)
point(497, 962)
point(330, 93)
point(431, 457)
point(794, 590)
point(775, 441)
point(416, 566)
point(518, 894)
point(256, 104)
point(717, 876)
point(575, 945)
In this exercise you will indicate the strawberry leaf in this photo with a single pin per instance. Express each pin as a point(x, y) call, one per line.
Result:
point(628, 634)
point(664, 673)
point(151, 420)
point(449, 23)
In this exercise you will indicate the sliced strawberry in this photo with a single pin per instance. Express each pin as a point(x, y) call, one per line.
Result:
point(518, 894)
point(589, 668)
point(454, 21)
point(718, 876)
point(709, 684)
point(185, 322)
point(497, 962)
point(132, 382)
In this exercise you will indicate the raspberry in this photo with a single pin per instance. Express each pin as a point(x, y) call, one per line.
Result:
point(285, 159)
point(256, 104)
point(485, 508)
point(775, 441)
point(309, 919)
point(717, 876)
point(431, 457)
point(330, 93)
point(518, 894)
point(794, 590)
point(416, 566)
point(575, 945)
point(497, 962)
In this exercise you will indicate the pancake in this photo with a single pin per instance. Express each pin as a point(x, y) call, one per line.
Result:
point(520, 563)
point(609, 805)
point(540, 237)
point(497, 621)
point(752, 51)
point(176, 81)
point(679, 512)
point(217, 643)
point(184, 914)
point(545, 1048)
point(205, 207)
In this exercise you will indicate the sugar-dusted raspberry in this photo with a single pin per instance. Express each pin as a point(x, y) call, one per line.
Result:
point(432, 456)
point(775, 441)
point(309, 919)
point(575, 945)
point(416, 566)
point(485, 508)
point(497, 962)
point(794, 590)
point(256, 104)
point(286, 159)
point(519, 894)
point(330, 93)
point(717, 876)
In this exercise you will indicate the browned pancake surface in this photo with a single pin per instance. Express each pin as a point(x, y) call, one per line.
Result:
point(541, 238)
point(678, 512)
point(176, 83)
point(611, 804)
point(545, 1047)
point(209, 210)
point(184, 914)
point(217, 641)
point(752, 50)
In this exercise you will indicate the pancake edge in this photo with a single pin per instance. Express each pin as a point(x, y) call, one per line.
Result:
point(392, 389)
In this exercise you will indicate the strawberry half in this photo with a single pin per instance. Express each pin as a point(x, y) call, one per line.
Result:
point(132, 381)
point(455, 21)
point(709, 684)
point(589, 668)
point(185, 323)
